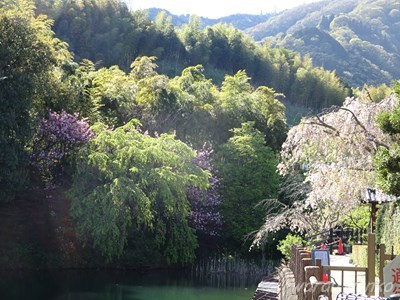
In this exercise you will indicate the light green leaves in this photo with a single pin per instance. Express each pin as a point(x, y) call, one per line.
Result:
point(127, 180)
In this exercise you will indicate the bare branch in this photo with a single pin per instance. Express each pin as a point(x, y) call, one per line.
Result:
point(324, 124)
point(369, 135)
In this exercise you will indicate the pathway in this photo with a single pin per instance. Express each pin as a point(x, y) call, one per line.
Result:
point(350, 284)
point(268, 287)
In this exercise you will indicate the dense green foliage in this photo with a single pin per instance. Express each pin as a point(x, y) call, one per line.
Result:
point(108, 34)
point(387, 176)
point(248, 171)
point(127, 181)
point(359, 39)
point(387, 159)
point(135, 190)
point(189, 104)
point(357, 218)
point(75, 126)
point(373, 93)
point(194, 108)
point(388, 228)
point(285, 246)
point(27, 55)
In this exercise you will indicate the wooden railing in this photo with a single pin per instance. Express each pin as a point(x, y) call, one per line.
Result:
point(308, 278)
point(302, 267)
point(343, 269)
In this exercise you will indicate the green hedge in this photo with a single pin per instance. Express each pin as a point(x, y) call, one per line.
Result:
point(360, 255)
point(388, 226)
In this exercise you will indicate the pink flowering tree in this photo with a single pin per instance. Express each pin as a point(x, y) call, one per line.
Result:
point(205, 216)
point(57, 138)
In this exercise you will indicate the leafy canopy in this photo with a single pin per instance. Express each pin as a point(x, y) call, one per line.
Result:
point(247, 167)
point(28, 53)
point(387, 159)
point(127, 181)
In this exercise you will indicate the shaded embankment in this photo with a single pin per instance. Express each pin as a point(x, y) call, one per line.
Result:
point(37, 232)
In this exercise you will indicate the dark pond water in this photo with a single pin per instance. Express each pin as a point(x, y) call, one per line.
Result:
point(110, 285)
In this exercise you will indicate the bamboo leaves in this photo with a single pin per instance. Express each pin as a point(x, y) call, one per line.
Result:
point(127, 179)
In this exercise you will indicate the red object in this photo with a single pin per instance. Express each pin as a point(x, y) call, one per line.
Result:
point(323, 247)
point(340, 248)
point(325, 277)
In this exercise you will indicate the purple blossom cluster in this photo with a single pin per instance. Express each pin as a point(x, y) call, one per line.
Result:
point(205, 216)
point(57, 137)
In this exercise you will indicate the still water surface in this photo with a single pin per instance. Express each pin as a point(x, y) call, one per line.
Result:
point(110, 285)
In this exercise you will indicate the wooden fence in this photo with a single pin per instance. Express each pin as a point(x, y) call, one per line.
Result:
point(308, 278)
point(308, 274)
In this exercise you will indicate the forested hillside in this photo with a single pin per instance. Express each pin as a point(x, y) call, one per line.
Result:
point(239, 21)
point(108, 34)
point(359, 39)
point(125, 168)
point(158, 143)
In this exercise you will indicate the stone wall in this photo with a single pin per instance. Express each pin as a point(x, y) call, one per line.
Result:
point(286, 285)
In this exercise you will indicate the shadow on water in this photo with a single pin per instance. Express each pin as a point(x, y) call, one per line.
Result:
point(229, 271)
point(215, 283)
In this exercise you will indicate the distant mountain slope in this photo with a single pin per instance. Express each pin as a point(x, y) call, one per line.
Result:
point(360, 39)
point(303, 16)
point(239, 21)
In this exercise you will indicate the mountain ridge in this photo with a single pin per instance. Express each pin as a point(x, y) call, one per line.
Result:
point(359, 39)
point(367, 30)
point(239, 21)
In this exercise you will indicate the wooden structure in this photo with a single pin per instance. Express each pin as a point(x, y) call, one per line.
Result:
point(308, 278)
point(343, 269)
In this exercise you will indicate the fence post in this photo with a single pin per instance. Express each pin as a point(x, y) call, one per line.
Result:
point(370, 288)
point(292, 258)
point(305, 262)
point(382, 250)
point(302, 255)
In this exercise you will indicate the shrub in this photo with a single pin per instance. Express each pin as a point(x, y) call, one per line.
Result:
point(285, 246)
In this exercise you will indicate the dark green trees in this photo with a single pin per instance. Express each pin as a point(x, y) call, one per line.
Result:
point(247, 167)
point(128, 182)
point(128, 186)
point(387, 164)
point(26, 57)
point(387, 160)
point(108, 34)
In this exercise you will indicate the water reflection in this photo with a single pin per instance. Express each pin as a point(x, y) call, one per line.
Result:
point(110, 285)
point(228, 271)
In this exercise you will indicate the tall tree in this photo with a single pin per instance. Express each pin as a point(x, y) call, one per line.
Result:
point(327, 162)
point(387, 159)
point(238, 102)
point(196, 97)
point(27, 55)
point(247, 168)
point(195, 41)
point(128, 183)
